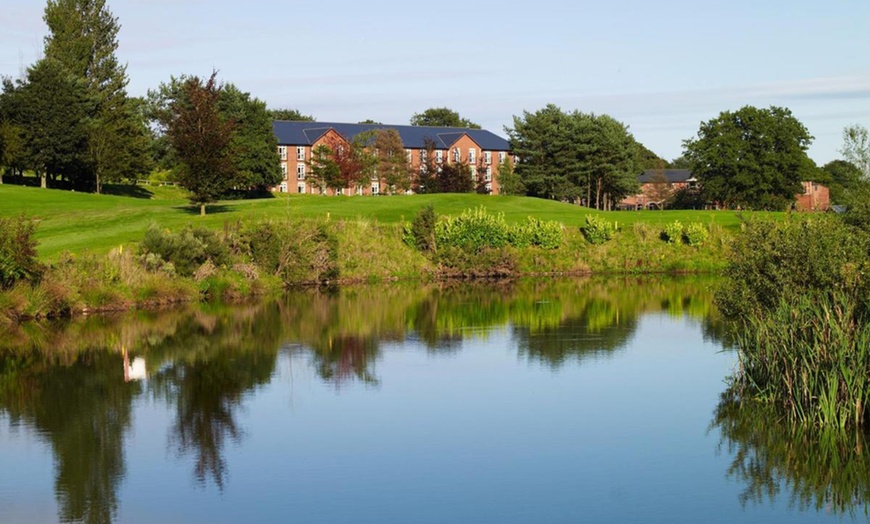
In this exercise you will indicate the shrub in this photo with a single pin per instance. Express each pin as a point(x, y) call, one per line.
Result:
point(598, 230)
point(295, 251)
point(536, 232)
point(673, 232)
point(18, 259)
point(422, 231)
point(696, 234)
point(187, 250)
point(473, 230)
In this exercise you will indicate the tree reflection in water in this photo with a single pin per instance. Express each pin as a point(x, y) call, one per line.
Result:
point(823, 469)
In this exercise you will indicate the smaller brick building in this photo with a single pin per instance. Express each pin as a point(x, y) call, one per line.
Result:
point(815, 197)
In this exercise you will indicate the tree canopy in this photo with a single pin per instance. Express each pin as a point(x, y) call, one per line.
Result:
point(575, 156)
point(202, 139)
point(856, 148)
point(441, 117)
point(289, 114)
point(751, 158)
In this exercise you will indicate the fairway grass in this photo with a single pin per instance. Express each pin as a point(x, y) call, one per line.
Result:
point(82, 222)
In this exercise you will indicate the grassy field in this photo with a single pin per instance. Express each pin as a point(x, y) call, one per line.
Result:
point(79, 222)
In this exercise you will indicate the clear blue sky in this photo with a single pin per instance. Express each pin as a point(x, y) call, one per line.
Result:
point(660, 67)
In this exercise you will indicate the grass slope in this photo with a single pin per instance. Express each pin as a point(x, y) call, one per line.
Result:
point(79, 222)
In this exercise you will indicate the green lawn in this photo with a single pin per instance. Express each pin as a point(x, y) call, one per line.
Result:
point(80, 222)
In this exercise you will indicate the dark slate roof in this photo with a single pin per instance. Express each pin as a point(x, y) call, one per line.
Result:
point(296, 133)
point(673, 175)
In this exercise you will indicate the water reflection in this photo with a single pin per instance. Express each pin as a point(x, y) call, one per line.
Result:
point(75, 382)
point(812, 468)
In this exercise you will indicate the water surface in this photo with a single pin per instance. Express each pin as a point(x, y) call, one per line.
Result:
point(535, 401)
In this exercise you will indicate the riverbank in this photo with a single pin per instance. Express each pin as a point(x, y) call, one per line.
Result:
point(263, 257)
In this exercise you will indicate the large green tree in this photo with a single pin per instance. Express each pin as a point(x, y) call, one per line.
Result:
point(441, 117)
point(202, 140)
point(54, 108)
point(575, 156)
point(83, 37)
point(289, 114)
point(392, 164)
point(254, 145)
point(751, 158)
point(842, 178)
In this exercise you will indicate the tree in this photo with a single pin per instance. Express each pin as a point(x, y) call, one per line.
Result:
point(509, 182)
point(843, 177)
point(661, 190)
point(455, 178)
point(441, 117)
point(426, 180)
point(392, 164)
point(370, 121)
point(254, 146)
point(856, 148)
point(324, 171)
point(13, 151)
point(574, 156)
point(54, 108)
point(289, 114)
point(83, 38)
point(751, 158)
point(202, 140)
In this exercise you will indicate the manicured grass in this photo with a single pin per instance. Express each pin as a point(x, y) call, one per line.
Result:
point(79, 222)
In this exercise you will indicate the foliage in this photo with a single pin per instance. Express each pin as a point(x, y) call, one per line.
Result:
point(856, 148)
point(392, 165)
point(673, 232)
point(83, 38)
point(18, 258)
point(509, 182)
point(186, 250)
point(772, 262)
point(661, 191)
point(253, 145)
point(454, 178)
point(289, 114)
point(441, 117)
point(843, 178)
point(696, 234)
point(575, 156)
point(546, 234)
point(296, 252)
point(202, 140)
point(473, 230)
point(598, 230)
point(422, 230)
point(751, 158)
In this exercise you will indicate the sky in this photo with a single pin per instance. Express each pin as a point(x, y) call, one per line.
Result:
point(660, 67)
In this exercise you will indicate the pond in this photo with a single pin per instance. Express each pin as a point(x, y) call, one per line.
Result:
point(576, 400)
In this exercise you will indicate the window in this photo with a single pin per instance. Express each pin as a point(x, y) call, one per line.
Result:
point(422, 156)
point(439, 156)
point(473, 170)
point(457, 155)
point(376, 188)
point(300, 188)
point(487, 157)
point(284, 170)
point(472, 156)
point(300, 171)
point(408, 154)
point(488, 177)
point(282, 152)
point(501, 157)
point(489, 188)
point(300, 152)
point(283, 187)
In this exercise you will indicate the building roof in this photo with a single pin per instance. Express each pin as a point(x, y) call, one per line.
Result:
point(298, 133)
point(672, 175)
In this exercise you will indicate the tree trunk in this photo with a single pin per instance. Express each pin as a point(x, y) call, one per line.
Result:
point(202, 210)
point(42, 182)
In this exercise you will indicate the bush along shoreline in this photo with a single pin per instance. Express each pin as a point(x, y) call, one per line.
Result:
point(266, 257)
point(799, 290)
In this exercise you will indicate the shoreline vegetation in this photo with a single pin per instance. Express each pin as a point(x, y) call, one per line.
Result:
point(263, 249)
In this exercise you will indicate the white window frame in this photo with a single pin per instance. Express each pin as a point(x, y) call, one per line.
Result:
point(284, 170)
point(472, 155)
point(457, 155)
point(501, 157)
point(487, 157)
point(488, 177)
point(376, 188)
point(282, 152)
point(439, 156)
point(300, 188)
point(300, 171)
point(300, 152)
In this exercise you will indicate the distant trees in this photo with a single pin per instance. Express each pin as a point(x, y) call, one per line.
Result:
point(441, 117)
point(202, 141)
point(751, 158)
point(289, 114)
point(575, 156)
point(856, 148)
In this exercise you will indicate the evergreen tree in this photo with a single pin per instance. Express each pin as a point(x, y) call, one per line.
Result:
point(254, 146)
point(83, 37)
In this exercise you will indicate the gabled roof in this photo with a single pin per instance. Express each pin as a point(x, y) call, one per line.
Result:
point(297, 133)
point(672, 175)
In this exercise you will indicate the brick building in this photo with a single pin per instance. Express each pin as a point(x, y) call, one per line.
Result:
point(482, 150)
